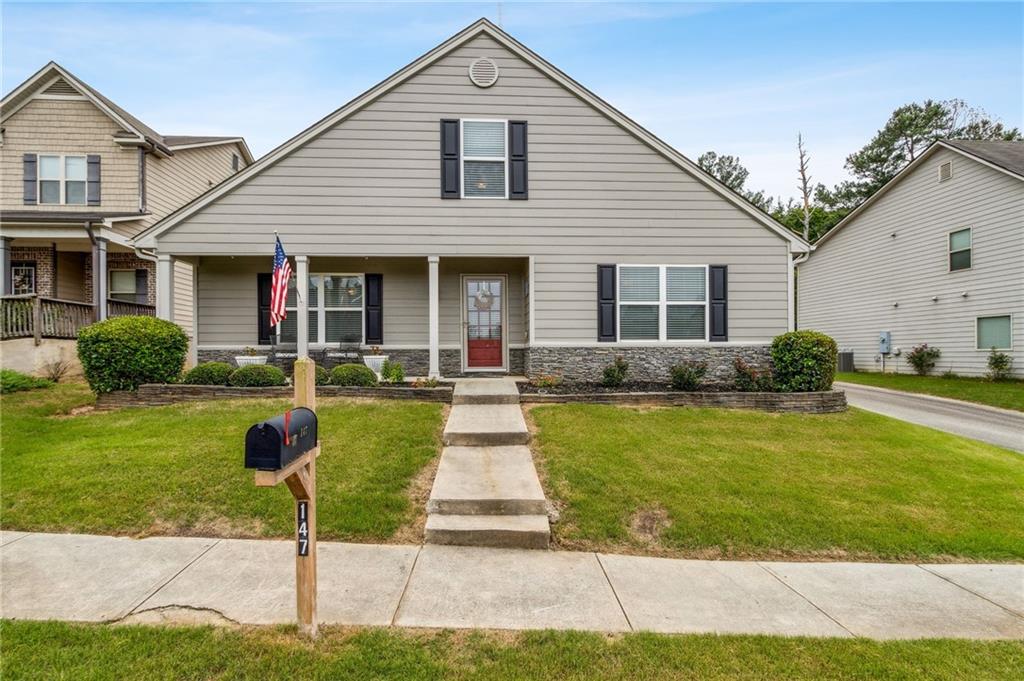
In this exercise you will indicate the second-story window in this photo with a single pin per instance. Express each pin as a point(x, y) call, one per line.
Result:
point(484, 159)
point(960, 250)
point(62, 179)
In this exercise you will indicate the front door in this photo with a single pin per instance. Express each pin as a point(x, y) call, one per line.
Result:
point(484, 322)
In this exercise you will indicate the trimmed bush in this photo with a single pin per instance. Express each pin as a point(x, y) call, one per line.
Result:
point(14, 381)
point(353, 375)
point(615, 373)
point(392, 372)
point(323, 376)
point(688, 375)
point(208, 373)
point(125, 352)
point(803, 361)
point(922, 358)
point(750, 380)
point(257, 376)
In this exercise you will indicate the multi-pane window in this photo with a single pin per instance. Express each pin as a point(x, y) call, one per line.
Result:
point(662, 302)
point(62, 179)
point(123, 285)
point(484, 159)
point(960, 250)
point(23, 277)
point(995, 332)
point(335, 309)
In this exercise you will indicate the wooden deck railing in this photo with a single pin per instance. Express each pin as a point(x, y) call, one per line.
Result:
point(122, 308)
point(32, 316)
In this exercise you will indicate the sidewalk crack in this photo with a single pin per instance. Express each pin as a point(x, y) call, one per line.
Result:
point(614, 592)
point(808, 600)
point(405, 587)
point(971, 591)
point(170, 579)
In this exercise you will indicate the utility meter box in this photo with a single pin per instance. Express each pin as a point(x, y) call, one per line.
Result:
point(275, 443)
point(884, 342)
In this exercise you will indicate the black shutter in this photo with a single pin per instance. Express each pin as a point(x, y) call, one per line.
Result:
point(141, 289)
point(517, 175)
point(450, 158)
point(375, 309)
point(719, 285)
point(30, 175)
point(606, 304)
point(263, 284)
point(92, 162)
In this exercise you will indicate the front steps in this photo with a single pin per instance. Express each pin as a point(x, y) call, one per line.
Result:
point(486, 492)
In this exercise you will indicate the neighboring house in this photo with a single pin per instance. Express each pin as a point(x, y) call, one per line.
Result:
point(936, 256)
point(480, 211)
point(80, 177)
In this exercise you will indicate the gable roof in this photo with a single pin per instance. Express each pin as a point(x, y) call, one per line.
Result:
point(478, 28)
point(1006, 157)
point(176, 142)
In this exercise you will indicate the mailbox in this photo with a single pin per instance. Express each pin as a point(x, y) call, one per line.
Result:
point(278, 441)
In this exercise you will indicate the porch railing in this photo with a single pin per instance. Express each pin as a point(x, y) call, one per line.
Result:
point(32, 316)
point(123, 308)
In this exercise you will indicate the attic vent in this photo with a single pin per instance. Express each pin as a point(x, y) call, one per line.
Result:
point(945, 171)
point(60, 87)
point(483, 72)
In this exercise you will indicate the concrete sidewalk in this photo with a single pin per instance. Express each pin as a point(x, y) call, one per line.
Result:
point(178, 579)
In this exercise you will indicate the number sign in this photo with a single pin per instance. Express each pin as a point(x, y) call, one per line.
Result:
point(302, 522)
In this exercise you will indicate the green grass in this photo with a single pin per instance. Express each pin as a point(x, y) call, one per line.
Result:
point(748, 484)
point(14, 381)
point(53, 650)
point(1004, 394)
point(179, 469)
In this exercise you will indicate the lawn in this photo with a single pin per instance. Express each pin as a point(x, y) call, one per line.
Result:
point(745, 484)
point(179, 469)
point(48, 650)
point(1004, 394)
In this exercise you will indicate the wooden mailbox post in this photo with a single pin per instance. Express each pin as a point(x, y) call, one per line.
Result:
point(300, 476)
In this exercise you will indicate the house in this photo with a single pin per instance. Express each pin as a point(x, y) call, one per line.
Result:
point(80, 177)
point(935, 256)
point(481, 211)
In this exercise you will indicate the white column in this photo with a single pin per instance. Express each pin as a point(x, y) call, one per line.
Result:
point(302, 306)
point(99, 278)
point(5, 265)
point(434, 306)
point(194, 350)
point(532, 325)
point(165, 287)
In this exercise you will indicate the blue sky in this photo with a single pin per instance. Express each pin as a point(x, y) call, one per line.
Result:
point(736, 78)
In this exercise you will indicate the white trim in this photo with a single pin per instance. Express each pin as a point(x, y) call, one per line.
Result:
point(164, 287)
point(110, 282)
point(992, 316)
point(663, 304)
point(481, 27)
point(950, 251)
point(72, 98)
point(321, 307)
point(465, 323)
point(246, 154)
point(486, 159)
point(302, 307)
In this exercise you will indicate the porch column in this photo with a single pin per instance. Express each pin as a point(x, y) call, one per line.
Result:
point(165, 287)
point(302, 306)
point(99, 277)
point(434, 308)
point(5, 255)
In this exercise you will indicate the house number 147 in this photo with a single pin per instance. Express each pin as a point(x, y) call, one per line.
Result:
point(302, 521)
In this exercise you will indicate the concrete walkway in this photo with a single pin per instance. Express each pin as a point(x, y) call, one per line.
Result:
point(177, 579)
point(1001, 427)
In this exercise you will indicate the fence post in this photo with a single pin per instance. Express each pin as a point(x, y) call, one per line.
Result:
point(37, 319)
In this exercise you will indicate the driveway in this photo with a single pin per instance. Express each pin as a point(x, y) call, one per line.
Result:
point(1001, 427)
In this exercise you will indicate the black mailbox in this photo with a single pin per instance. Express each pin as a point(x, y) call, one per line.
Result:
point(275, 443)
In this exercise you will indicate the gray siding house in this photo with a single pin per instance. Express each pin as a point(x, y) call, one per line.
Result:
point(936, 256)
point(480, 211)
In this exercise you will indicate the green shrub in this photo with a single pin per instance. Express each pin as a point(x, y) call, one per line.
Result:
point(688, 375)
point(208, 373)
point(257, 376)
point(803, 361)
point(125, 352)
point(615, 373)
point(13, 381)
point(923, 358)
point(750, 380)
point(999, 364)
point(392, 372)
point(323, 376)
point(353, 375)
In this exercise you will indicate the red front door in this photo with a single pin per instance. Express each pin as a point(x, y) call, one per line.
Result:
point(484, 298)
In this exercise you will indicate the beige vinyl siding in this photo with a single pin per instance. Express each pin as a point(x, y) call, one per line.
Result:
point(68, 126)
point(370, 186)
point(71, 275)
point(174, 181)
point(851, 287)
point(182, 302)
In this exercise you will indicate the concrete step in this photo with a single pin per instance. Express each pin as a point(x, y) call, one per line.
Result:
point(486, 481)
point(485, 391)
point(499, 531)
point(485, 425)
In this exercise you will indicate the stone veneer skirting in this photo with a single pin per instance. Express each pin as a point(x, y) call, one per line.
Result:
point(825, 402)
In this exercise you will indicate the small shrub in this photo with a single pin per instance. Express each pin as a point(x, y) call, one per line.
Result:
point(426, 383)
point(323, 376)
point(949, 374)
point(392, 372)
point(353, 375)
point(209, 373)
point(750, 380)
point(615, 373)
point(14, 381)
point(56, 369)
point(803, 361)
point(923, 358)
point(545, 381)
point(257, 376)
point(999, 364)
point(688, 375)
point(125, 352)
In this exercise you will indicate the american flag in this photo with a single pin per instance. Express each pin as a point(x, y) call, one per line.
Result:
point(279, 284)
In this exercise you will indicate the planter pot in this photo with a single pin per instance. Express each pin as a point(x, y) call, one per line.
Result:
point(375, 362)
point(245, 360)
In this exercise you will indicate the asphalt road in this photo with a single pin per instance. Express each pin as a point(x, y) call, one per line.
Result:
point(1000, 427)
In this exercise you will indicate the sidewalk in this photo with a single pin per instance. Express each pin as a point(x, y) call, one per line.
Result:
point(181, 579)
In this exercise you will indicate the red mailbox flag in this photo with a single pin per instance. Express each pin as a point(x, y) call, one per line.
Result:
point(287, 425)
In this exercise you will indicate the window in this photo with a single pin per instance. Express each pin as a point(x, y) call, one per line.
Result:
point(484, 159)
point(960, 250)
point(23, 278)
point(62, 179)
point(945, 171)
point(663, 302)
point(123, 286)
point(995, 332)
point(335, 309)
